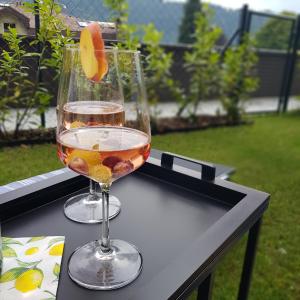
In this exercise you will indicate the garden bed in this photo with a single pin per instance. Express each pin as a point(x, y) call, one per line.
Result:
point(179, 124)
point(29, 137)
point(159, 126)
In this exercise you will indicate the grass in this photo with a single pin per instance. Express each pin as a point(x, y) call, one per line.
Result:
point(266, 156)
point(26, 161)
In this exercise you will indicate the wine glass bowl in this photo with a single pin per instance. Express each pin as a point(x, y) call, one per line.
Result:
point(105, 152)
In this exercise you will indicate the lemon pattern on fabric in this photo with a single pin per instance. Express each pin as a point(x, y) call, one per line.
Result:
point(29, 280)
point(32, 251)
point(57, 250)
point(31, 267)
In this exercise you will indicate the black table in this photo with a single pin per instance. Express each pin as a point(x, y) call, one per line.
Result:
point(182, 221)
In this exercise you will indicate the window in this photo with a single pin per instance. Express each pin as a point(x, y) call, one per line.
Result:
point(7, 25)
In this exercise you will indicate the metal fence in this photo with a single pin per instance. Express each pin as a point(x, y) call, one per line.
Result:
point(289, 46)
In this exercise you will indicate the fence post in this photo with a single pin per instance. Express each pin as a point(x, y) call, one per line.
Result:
point(292, 64)
point(286, 70)
point(39, 49)
point(244, 22)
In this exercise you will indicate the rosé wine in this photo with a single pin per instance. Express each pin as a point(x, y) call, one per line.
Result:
point(103, 153)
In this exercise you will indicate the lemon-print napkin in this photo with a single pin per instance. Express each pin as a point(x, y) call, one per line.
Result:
point(31, 267)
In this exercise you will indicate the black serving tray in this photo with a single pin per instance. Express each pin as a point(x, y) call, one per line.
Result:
point(182, 221)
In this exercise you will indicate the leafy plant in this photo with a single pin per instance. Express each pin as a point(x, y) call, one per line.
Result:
point(14, 77)
point(237, 78)
point(202, 62)
point(53, 35)
point(29, 95)
point(157, 68)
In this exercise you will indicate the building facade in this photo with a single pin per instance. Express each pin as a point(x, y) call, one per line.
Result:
point(14, 15)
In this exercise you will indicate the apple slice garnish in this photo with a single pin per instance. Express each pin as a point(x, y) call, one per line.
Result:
point(92, 54)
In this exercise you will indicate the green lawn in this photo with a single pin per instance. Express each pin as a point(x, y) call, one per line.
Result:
point(266, 156)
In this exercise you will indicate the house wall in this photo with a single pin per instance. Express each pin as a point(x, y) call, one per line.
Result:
point(12, 19)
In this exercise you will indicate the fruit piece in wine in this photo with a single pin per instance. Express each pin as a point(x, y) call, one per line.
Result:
point(93, 60)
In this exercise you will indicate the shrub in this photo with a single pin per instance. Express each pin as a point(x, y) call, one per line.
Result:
point(237, 78)
point(202, 62)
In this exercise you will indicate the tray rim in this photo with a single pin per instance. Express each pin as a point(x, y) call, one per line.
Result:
point(194, 265)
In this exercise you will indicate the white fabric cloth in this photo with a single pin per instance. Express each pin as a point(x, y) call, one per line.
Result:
point(31, 267)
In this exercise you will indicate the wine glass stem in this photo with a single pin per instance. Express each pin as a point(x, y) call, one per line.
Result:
point(105, 241)
point(94, 190)
point(92, 187)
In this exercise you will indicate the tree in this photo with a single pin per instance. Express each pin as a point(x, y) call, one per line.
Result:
point(187, 28)
point(275, 33)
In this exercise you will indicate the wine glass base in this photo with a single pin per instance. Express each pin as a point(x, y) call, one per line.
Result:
point(93, 269)
point(80, 209)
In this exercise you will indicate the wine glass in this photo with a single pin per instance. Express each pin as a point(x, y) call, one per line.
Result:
point(114, 151)
point(84, 105)
point(87, 207)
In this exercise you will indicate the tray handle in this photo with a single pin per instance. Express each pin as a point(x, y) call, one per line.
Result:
point(208, 171)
